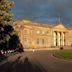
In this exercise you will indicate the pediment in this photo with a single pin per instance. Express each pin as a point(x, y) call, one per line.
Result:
point(59, 26)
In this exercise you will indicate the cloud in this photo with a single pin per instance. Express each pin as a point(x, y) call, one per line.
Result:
point(43, 9)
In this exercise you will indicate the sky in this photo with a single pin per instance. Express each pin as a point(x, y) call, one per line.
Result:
point(43, 11)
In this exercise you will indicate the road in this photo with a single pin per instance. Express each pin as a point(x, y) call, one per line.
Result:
point(40, 61)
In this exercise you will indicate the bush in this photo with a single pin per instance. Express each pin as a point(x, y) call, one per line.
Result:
point(21, 50)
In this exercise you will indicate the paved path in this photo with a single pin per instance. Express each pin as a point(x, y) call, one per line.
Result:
point(52, 64)
point(40, 61)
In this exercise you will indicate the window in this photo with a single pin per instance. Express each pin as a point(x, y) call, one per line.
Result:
point(25, 39)
point(26, 31)
point(42, 41)
point(37, 41)
point(47, 32)
point(43, 32)
point(38, 32)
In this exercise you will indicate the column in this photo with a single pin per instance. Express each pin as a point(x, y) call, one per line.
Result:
point(58, 38)
point(54, 37)
point(62, 38)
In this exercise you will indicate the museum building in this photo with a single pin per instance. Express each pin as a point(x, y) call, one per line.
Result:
point(40, 36)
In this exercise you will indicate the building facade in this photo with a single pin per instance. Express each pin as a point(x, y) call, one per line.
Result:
point(36, 35)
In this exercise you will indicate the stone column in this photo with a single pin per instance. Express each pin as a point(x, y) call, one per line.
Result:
point(54, 37)
point(58, 38)
point(62, 38)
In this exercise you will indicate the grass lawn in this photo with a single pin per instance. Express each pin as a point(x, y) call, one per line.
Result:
point(65, 54)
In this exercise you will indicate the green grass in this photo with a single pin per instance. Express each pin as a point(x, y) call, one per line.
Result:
point(64, 54)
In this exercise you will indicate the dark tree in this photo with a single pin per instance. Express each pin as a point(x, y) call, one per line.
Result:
point(8, 37)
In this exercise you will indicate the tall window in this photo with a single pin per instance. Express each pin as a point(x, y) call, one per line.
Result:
point(43, 32)
point(37, 41)
point(42, 41)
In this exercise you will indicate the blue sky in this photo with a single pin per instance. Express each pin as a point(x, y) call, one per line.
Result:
point(43, 11)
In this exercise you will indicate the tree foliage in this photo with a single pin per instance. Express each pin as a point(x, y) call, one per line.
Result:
point(7, 32)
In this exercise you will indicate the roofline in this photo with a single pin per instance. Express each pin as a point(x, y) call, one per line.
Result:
point(43, 24)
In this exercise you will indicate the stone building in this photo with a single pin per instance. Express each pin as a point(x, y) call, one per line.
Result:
point(42, 36)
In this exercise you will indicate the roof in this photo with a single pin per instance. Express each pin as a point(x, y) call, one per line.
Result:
point(29, 22)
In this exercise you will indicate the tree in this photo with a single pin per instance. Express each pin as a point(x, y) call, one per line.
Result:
point(7, 33)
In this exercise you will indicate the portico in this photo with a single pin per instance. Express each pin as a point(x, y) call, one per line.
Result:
point(59, 38)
